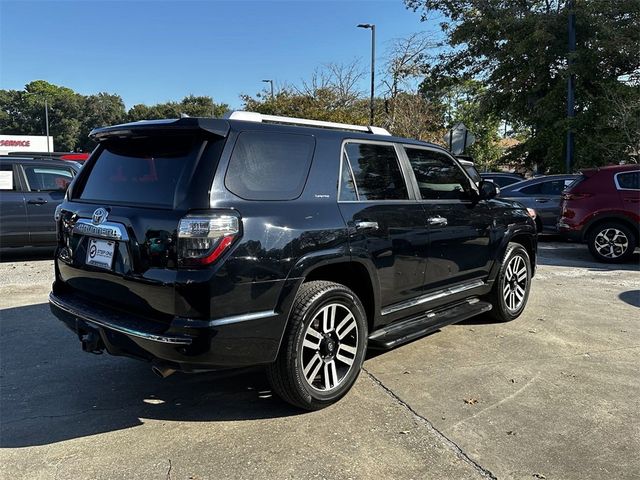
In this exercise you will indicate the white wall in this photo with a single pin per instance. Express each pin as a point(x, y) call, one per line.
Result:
point(25, 143)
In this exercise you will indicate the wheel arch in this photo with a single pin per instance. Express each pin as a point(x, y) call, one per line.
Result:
point(355, 273)
point(611, 218)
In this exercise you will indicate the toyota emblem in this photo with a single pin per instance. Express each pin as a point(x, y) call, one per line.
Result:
point(99, 216)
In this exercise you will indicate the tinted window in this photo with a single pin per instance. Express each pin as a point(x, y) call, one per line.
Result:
point(503, 181)
point(269, 166)
point(473, 173)
point(629, 180)
point(43, 178)
point(438, 176)
point(143, 170)
point(377, 171)
point(552, 187)
point(347, 186)
point(7, 178)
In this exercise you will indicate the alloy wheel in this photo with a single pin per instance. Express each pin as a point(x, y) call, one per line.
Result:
point(329, 347)
point(611, 243)
point(515, 283)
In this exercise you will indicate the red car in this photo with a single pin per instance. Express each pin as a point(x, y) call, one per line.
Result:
point(602, 208)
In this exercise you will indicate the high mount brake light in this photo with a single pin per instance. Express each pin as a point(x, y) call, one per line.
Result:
point(203, 238)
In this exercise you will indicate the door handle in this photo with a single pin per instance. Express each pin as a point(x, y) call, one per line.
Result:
point(542, 200)
point(439, 221)
point(37, 201)
point(362, 225)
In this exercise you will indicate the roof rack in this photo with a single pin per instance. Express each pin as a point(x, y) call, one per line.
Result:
point(260, 118)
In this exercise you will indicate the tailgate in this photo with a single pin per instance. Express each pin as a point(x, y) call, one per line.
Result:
point(117, 233)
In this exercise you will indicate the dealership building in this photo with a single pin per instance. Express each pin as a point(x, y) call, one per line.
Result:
point(25, 144)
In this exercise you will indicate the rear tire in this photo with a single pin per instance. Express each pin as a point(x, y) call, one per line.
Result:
point(611, 242)
point(323, 346)
point(510, 291)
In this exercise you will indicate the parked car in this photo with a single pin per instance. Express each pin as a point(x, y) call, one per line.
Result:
point(204, 244)
point(30, 191)
point(602, 208)
point(502, 179)
point(543, 195)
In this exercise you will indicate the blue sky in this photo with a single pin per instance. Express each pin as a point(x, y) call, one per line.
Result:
point(155, 51)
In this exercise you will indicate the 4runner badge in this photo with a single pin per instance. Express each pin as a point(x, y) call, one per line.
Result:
point(99, 216)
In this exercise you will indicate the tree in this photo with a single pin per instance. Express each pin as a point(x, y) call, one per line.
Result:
point(518, 50)
point(191, 105)
point(331, 94)
point(100, 110)
point(23, 112)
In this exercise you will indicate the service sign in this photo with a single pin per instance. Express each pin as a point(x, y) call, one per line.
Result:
point(25, 143)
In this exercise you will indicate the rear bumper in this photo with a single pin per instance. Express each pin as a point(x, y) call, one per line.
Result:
point(184, 344)
point(570, 232)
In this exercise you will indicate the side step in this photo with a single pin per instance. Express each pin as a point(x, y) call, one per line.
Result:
point(427, 322)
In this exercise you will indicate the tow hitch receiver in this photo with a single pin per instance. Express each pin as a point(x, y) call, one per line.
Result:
point(91, 342)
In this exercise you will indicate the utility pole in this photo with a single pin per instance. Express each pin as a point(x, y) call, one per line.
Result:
point(372, 27)
point(571, 85)
point(46, 119)
point(271, 83)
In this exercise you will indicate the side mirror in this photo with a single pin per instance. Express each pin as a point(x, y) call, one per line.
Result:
point(487, 190)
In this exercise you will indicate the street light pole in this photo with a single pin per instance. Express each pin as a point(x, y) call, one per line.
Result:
point(571, 85)
point(271, 83)
point(46, 119)
point(372, 27)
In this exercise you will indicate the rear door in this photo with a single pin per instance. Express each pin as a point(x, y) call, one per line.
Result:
point(459, 227)
point(46, 186)
point(385, 220)
point(14, 230)
point(545, 197)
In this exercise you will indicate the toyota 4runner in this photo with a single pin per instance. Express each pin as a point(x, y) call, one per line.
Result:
point(207, 244)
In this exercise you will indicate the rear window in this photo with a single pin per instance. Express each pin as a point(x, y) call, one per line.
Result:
point(141, 171)
point(628, 180)
point(269, 166)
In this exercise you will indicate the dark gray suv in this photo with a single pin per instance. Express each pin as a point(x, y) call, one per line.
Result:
point(30, 191)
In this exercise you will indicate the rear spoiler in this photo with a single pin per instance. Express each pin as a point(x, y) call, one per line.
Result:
point(215, 126)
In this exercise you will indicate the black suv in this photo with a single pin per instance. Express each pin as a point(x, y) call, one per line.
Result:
point(206, 244)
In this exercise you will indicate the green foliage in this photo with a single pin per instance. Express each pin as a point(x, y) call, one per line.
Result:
point(72, 116)
point(518, 50)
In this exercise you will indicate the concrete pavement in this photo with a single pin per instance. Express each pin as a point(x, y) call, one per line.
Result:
point(554, 394)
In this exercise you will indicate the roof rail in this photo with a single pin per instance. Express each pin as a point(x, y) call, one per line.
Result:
point(260, 118)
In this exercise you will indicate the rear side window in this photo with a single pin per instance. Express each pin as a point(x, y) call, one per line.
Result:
point(42, 178)
point(553, 187)
point(7, 178)
point(269, 166)
point(143, 170)
point(629, 180)
point(438, 176)
point(376, 171)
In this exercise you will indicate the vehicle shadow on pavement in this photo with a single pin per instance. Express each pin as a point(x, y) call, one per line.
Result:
point(577, 255)
point(632, 297)
point(52, 391)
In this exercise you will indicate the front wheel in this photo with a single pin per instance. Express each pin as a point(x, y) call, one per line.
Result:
point(323, 347)
point(510, 291)
point(611, 242)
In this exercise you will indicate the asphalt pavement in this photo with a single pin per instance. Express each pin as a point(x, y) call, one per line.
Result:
point(554, 394)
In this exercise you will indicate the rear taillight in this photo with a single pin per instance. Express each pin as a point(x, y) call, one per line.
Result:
point(575, 196)
point(202, 239)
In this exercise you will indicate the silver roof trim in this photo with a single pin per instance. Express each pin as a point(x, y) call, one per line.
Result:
point(260, 118)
